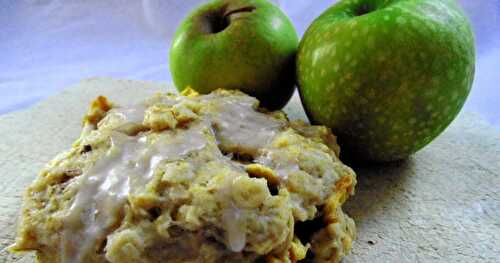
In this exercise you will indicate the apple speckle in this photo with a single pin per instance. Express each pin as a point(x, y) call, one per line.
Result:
point(347, 57)
point(330, 89)
point(414, 24)
point(371, 42)
point(332, 50)
point(407, 84)
point(451, 74)
point(336, 67)
point(430, 93)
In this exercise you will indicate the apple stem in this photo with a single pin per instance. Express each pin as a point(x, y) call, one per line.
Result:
point(221, 21)
point(239, 10)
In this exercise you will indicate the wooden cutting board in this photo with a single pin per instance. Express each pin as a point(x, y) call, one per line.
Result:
point(441, 205)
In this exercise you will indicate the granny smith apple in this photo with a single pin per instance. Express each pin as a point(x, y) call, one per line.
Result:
point(387, 76)
point(248, 45)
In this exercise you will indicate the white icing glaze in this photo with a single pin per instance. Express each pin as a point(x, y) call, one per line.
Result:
point(232, 218)
point(239, 125)
point(103, 189)
point(283, 168)
point(235, 228)
point(131, 161)
point(133, 114)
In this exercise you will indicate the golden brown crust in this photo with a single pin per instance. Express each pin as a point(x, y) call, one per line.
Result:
point(97, 110)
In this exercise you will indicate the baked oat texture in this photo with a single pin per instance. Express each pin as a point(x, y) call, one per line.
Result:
point(193, 178)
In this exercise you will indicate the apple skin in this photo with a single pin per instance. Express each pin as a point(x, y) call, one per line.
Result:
point(248, 45)
point(386, 76)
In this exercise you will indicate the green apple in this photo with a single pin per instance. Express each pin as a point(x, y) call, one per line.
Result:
point(387, 76)
point(248, 45)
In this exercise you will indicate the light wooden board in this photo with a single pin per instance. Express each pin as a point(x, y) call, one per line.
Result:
point(441, 205)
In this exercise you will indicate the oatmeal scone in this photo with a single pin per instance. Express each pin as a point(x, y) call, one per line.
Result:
point(192, 178)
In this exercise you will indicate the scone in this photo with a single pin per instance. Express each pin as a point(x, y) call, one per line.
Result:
point(192, 178)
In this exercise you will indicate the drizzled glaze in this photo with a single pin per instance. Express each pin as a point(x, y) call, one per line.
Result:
point(193, 178)
point(103, 190)
point(239, 124)
point(130, 163)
